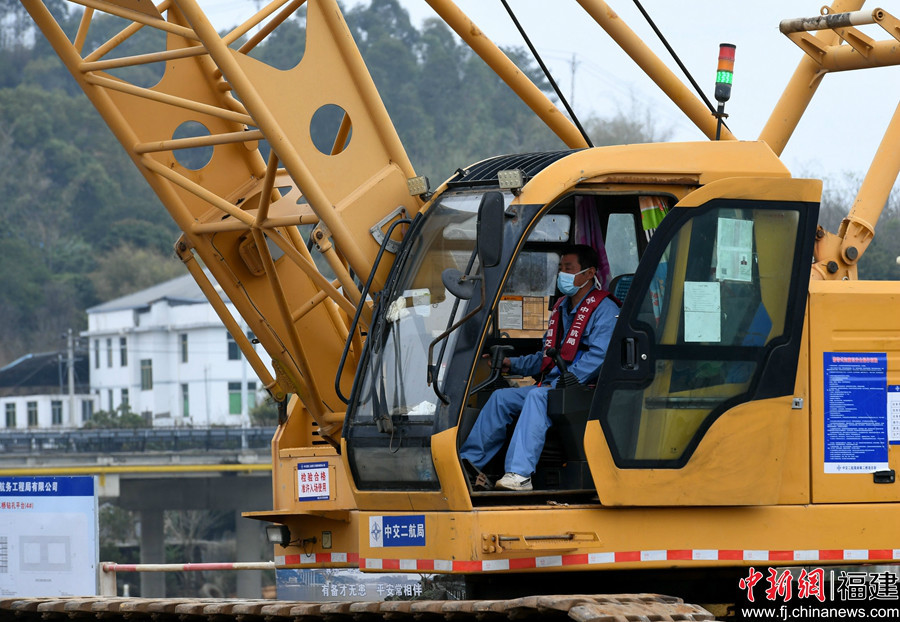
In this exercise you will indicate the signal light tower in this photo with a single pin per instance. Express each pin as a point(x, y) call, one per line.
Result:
point(724, 78)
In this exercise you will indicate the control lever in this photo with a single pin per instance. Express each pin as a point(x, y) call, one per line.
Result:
point(498, 353)
point(566, 378)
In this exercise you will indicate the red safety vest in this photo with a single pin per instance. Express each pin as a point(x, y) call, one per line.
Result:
point(569, 347)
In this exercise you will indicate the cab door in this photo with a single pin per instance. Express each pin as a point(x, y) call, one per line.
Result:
point(695, 403)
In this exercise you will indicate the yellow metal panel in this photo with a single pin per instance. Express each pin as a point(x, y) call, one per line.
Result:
point(449, 470)
point(366, 180)
point(795, 484)
point(738, 462)
point(706, 161)
point(759, 189)
point(142, 6)
point(850, 316)
point(341, 532)
point(284, 481)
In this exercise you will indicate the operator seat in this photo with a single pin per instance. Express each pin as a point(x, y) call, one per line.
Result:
point(620, 284)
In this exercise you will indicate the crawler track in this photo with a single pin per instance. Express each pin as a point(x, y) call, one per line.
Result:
point(584, 608)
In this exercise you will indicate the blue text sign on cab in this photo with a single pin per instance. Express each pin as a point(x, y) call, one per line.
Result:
point(397, 530)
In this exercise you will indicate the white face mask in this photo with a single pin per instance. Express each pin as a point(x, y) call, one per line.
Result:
point(566, 282)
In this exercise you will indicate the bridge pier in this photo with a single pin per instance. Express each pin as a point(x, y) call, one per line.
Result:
point(248, 545)
point(153, 551)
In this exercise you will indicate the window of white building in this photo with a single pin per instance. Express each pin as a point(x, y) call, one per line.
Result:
point(234, 398)
point(32, 414)
point(234, 352)
point(56, 412)
point(185, 401)
point(146, 374)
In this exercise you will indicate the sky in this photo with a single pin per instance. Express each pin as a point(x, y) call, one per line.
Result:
point(839, 133)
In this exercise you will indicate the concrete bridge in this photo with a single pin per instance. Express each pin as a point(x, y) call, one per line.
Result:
point(149, 471)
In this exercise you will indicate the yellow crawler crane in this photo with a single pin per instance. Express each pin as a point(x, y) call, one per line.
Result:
point(712, 440)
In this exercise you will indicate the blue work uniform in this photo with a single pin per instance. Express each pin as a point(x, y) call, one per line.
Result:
point(489, 431)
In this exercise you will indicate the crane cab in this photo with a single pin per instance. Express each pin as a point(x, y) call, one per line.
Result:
point(712, 272)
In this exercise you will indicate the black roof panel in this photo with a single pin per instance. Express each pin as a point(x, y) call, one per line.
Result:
point(484, 173)
point(35, 374)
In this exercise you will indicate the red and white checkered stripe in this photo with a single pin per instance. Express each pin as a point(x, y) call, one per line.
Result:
point(588, 559)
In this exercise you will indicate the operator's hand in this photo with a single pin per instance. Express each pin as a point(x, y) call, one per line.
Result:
point(504, 365)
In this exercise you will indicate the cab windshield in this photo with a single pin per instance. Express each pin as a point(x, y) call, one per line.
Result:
point(416, 310)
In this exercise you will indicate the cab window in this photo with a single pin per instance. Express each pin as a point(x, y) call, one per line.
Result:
point(717, 298)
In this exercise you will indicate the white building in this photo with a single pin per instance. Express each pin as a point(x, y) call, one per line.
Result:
point(165, 353)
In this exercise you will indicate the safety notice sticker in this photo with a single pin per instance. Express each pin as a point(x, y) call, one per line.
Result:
point(313, 483)
point(856, 427)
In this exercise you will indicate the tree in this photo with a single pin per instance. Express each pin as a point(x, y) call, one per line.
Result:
point(127, 269)
point(838, 194)
point(189, 531)
point(64, 181)
point(118, 541)
point(265, 413)
point(285, 47)
point(121, 417)
point(879, 261)
point(626, 127)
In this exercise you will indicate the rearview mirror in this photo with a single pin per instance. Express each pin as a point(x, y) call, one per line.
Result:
point(491, 213)
point(458, 284)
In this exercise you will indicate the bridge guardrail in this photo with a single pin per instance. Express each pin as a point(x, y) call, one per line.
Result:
point(134, 440)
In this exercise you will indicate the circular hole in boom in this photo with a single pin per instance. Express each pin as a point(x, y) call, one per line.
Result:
point(193, 158)
point(328, 129)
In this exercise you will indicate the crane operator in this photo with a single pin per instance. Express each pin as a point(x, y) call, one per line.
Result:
point(581, 324)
